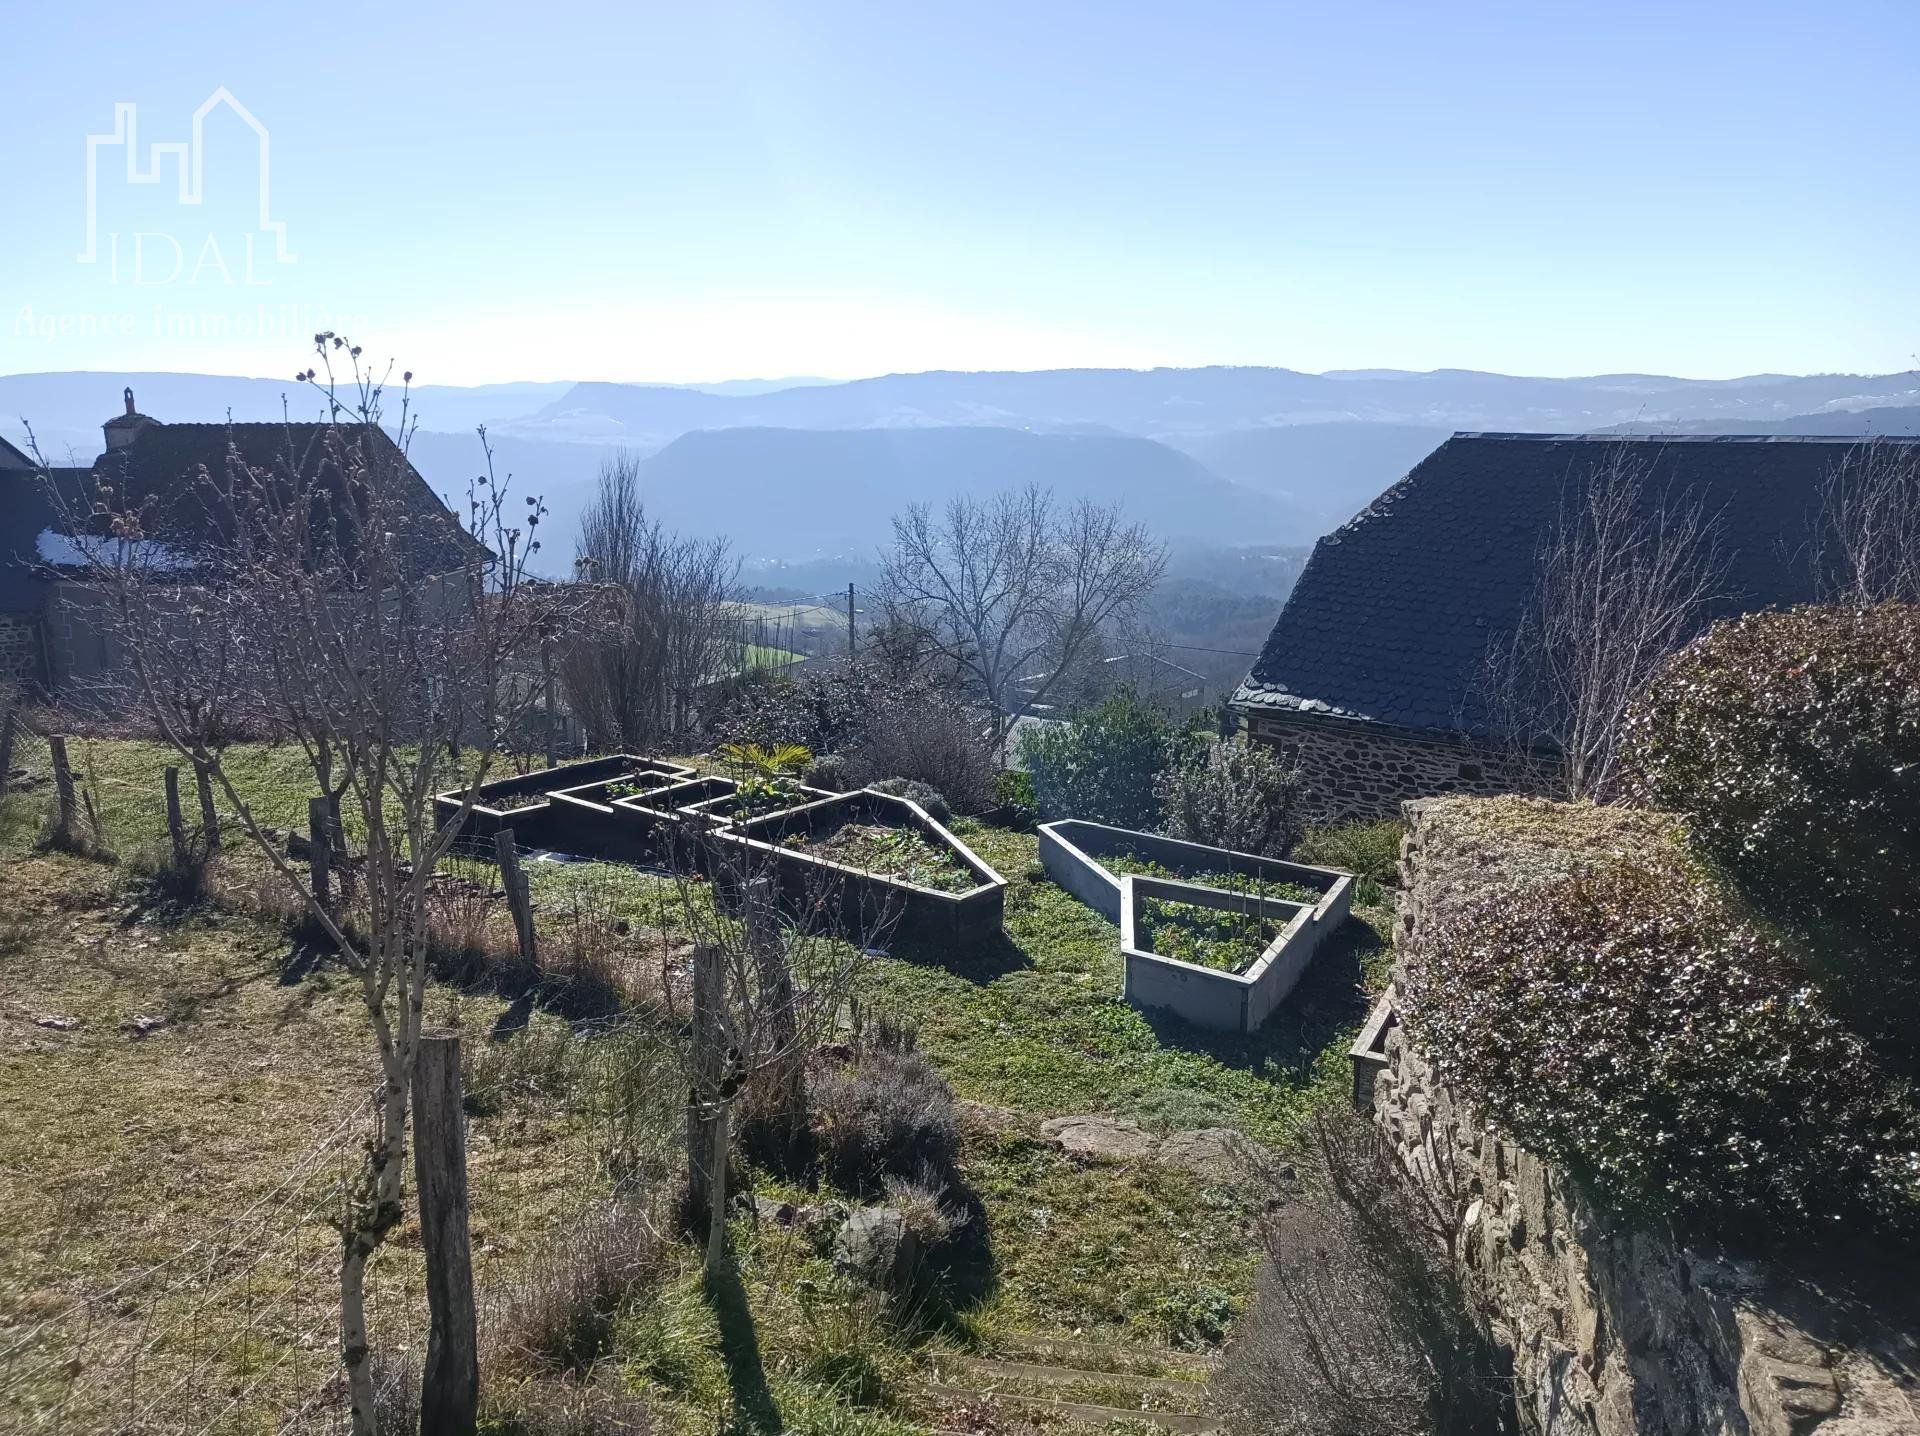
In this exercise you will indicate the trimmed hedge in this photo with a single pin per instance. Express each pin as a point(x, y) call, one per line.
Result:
point(1630, 1024)
point(1103, 765)
point(1791, 742)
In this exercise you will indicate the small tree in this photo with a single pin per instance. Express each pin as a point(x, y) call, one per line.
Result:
point(1868, 547)
point(634, 684)
point(1013, 589)
point(1624, 576)
point(1231, 794)
point(327, 596)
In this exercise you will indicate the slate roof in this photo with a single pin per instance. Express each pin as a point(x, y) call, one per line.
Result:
point(1390, 620)
point(161, 461)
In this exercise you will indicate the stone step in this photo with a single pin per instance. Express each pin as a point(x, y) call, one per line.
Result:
point(1184, 1423)
point(992, 1371)
point(1105, 1357)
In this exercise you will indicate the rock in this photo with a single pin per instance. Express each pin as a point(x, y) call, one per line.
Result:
point(1209, 1152)
point(766, 1209)
point(59, 1022)
point(876, 1246)
point(144, 1026)
point(1098, 1139)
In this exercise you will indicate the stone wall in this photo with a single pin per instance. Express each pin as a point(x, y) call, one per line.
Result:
point(19, 649)
point(1614, 1330)
point(1354, 771)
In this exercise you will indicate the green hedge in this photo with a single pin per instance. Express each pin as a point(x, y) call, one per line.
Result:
point(1791, 742)
point(1635, 1027)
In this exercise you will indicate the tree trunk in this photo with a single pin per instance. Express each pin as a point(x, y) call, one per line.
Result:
point(176, 825)
point(209, 818)
point(450, 1384)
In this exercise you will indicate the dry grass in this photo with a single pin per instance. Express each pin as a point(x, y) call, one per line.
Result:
point(119, 1152)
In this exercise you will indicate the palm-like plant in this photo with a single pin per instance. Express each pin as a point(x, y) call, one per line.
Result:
point(764, 773)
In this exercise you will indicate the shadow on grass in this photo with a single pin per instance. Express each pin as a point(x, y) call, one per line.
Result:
point(980, 960)
point(740, 1350)
point(1330, 999)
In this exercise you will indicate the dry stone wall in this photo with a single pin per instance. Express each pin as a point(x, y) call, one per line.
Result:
point(1614, 1330)
point(1352, 772)
point(19, 649)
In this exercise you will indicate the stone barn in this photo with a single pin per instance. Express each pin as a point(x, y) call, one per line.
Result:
point(1374, 675)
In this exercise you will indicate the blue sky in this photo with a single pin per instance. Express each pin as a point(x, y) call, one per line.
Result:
point(695, 192)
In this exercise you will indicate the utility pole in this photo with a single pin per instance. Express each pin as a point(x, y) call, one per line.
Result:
point(850, 640)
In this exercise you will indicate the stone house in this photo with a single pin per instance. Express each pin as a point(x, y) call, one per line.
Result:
point(50, 644)
point(1373, 676)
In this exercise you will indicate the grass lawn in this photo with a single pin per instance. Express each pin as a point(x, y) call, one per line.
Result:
point(118, 1151)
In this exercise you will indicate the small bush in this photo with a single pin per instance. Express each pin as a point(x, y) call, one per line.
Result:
point(1232, 795)
point(1630, 1024)
point(559, 1316)
point(930, 738)
point(890, 1114)
point(929, 798)
point(1358, 1326)
point(1791, 743)
point(831, 772)
point(1370, 850)
point(1013, 797)
point(1102, 766)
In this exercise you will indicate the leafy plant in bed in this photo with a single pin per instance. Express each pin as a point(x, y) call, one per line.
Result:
point(1207, 936)
point(898, 853)
point(1225, 881)
point(765, 778)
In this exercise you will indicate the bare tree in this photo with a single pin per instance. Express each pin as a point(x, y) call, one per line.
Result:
point(635, 684)
point(1624, 576)
point(1013, 587)
point(348, 610)
point(1867, 548)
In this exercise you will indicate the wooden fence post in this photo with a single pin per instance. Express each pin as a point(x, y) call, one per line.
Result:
point(320, 851)
point(450, 1383)
point(176, 825)
point(62, 782)
point(786, 1072)
point(706, 1131)
point(519, 896)
point(9, 726)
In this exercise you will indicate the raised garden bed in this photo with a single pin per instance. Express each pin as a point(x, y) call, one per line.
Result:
point(524, 801)
point(1217, 937)
point(925, 882)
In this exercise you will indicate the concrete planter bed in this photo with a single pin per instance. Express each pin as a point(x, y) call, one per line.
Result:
point(593, 821)
point(1089, 861)
point(801, 844)
point(523, 801)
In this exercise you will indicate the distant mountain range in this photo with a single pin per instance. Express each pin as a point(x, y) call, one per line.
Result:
point(799, 469)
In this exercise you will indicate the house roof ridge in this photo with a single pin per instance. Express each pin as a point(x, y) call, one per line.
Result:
point(1592, 438)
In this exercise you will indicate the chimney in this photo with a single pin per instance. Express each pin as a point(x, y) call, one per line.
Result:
point(122, 429)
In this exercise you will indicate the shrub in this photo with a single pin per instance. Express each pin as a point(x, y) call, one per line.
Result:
point(1369, 849)
point(929, 738)
point(1791, 742)
point(1232, 795)
point(1630, 1024)
point(1103, 764)
point(918, 792)
point(1358, 1325)
point(830, 771)
point(559, 1315)
point(1013, 796)
point(889, 1114)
